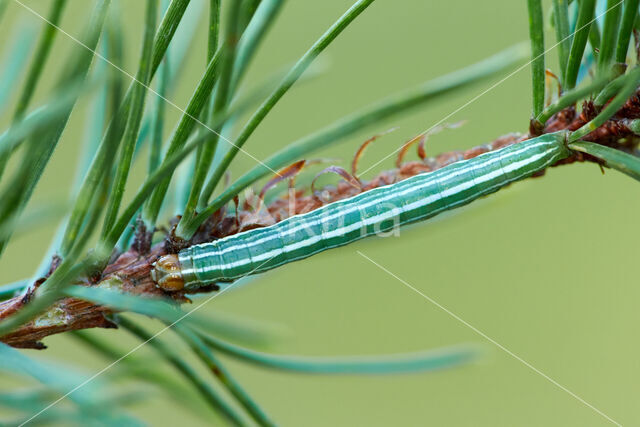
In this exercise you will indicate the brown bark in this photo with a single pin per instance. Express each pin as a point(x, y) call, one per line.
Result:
point(132, 273)
point(131, 270)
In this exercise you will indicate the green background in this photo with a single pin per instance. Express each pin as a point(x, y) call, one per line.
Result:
point(545, 268)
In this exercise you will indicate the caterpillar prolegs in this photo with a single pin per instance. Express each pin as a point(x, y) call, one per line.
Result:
point(339, 223)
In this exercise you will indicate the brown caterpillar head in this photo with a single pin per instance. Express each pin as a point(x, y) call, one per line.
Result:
point(166, 273)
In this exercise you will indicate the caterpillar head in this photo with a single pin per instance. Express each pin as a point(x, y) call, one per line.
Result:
point(166, 273)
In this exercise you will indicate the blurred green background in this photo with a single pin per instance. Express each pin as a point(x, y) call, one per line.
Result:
point(545, 268)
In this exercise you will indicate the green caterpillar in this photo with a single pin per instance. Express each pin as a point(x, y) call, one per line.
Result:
point(371, 212)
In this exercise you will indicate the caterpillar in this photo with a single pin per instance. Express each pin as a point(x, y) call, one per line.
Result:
point(368, 213)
